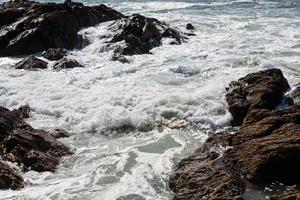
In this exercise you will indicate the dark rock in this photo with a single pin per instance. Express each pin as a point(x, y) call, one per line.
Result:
point(60, 133)
point(264, 89)
point(66, 63)
point(190, 26)
point(31, 63)
point(54, 54)
point(204, 175)
point(264, 150)
point(292, 195)
point(119, 57)
point(140, 34)
point(27, 27)
point(9, 178)
point(31, 148)
point(267, 147)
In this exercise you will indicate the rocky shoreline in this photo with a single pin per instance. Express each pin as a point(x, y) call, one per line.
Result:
point(27, 147)
point(28, 27)
point(265, 148)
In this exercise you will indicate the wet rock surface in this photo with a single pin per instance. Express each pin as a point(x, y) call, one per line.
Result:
point(204, 175)
point(27, 27)
point(31, 149)
point(138, 34)
point(66, 63)
point(264, 89)
point(264, 150)
point(9, 178)
point(54, 54)
point(31, 63)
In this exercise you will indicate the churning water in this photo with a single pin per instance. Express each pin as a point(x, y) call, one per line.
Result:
point(107, 103)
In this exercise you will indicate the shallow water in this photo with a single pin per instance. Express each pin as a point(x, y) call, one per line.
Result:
point(184, 82)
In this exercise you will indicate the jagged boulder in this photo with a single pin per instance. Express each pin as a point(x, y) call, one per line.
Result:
point(264, 89)
point(138, 34)
point(33, 149)
point(66, 63)
point(27, 26)
point(31, 63)
point(54, 54)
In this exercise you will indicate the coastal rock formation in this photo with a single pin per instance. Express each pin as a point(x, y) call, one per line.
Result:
point(264, 89)
point(9, 178)
point(54, 54)
point(66, 63)
point(27, 27)
point(32, 149)
point(138, 34)
point(265, 149)
point(204, 176)
point(31, 63)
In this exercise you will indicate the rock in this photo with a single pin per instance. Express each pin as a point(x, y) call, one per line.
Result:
point(66, 63)
point(190, 26)
point(138, 34)
point(31, 148)
point(204, 176)
point(60, 133)
point(54, 54)
point(264, 89)
point(31, 63)
point(292, 195)
point(267, 147)
point(27, 26)
point(9, 178)
point(118, 57)
point(263, 151)
point(178, 124)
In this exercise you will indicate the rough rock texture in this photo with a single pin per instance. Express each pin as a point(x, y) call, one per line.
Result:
point(66, 63)
point(204, 176)
point(264, 89)
point(264, 150)
point(9, 178)
point(32, 149)
point(31, 63)
point(287, 196)
point(27, 27)
point(267, 147)
point(140, 34)
point(54, 54)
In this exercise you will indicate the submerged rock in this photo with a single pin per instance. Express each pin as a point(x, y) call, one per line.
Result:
point(54, 54)
point(31, 63)
point(27, 26)
point(264, 89)
point(190, 26)
point(138, 34)
point(32, 149)
point(66, 63)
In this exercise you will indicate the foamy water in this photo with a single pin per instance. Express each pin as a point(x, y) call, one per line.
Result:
point(183, 82)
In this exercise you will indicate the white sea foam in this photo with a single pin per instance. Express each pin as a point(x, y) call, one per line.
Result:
point(185, 82)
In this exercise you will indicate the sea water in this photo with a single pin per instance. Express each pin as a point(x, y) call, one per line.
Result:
point(186, 82)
